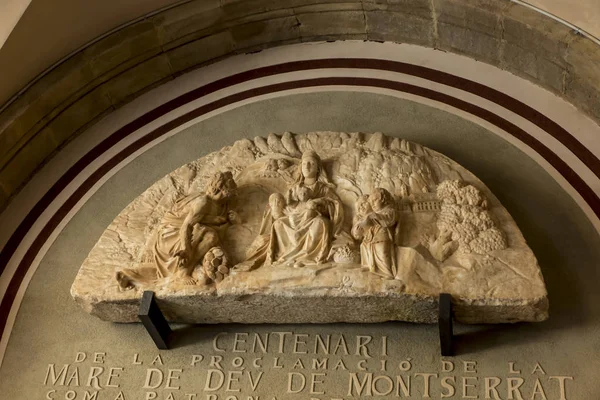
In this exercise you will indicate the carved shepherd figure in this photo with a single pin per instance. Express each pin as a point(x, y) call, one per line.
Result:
point(374, 224)
point(185, 234)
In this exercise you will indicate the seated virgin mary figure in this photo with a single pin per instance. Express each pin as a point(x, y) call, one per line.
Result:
point(301, 227)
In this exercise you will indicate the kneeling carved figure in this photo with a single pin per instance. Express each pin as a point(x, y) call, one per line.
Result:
point(374, 224)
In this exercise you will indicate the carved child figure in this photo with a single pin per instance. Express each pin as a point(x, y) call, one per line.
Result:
point(374, 223)
point(305, 209)
point(363, 209)
point(277, 205)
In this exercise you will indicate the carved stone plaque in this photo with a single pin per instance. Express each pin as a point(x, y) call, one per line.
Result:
point(318, 227)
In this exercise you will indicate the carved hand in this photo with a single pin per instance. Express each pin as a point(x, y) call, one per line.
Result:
point(234, 217)
point(182, 258)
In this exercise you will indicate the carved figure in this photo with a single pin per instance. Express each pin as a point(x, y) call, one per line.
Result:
point(450, 240)
point(186, 233)
point(304, 231)
point(374, 224)
point(277, 205)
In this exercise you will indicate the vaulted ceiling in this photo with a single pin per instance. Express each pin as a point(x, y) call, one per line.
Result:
point(48, 31)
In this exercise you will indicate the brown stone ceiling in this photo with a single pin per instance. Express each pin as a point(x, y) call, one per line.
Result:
point(130, 61)
point(50, 30)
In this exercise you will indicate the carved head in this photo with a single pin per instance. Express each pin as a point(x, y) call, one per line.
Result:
point(277, 205)
point(363, 207)
point(221, 186)
point(304, 194)
point(380, 198)
point(311, 164)
point(311, 167)
point(282, 163)
point(271, 165)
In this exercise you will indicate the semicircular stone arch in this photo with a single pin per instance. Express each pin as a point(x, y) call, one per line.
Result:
point(447, 102)
point(115, 69)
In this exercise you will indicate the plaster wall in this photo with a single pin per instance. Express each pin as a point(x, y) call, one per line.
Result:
point(46, 327)
point(51, 328)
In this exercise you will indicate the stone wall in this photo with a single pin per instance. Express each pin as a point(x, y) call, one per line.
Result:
point(120, 67)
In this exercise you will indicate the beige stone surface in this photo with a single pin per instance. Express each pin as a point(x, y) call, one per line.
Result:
point(313, 25)
point(493, 282)
point(582, 85)
point(122, 46)
point(399, 27)
point(258, 33)
point(26, 162)
point(201, 51)
point(138, 79)
point(585, 15)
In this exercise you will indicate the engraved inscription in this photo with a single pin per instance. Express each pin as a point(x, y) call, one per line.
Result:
point(294, 365)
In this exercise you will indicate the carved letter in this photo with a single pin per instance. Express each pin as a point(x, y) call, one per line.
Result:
point(466, 386)
point(489, 387)
point(112, 373)
point(231, 380)
point(447, 366)
point(216, 341)
point(220, 380)
point(361, 345)
point(240, 338)
point(92, 381)
point(196, 358)
point(538, 390)
point(51, 373)
point(172, 377)
point(290, 387)
point(366, 385)
point(561, 383)
point(150, 373)
point(448, 386)
point(513, 388)
point(253, 383)
point(426, 379)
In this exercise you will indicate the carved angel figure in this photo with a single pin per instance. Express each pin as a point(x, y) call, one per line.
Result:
point(186, 233)
point(374, 224)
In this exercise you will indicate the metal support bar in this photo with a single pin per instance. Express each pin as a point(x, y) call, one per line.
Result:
point(154, 321)
point(445, 325)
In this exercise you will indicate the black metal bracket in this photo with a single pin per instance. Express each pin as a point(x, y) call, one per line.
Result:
point(159, 330)
point(445, 324)
point(154, 321)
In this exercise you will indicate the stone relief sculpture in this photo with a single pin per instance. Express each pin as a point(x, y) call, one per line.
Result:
point(185, 235)
point(361, 227)
point(374, 226)
point(304, 224)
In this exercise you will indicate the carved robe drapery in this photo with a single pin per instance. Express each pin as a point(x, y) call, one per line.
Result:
point(301, 235)
point(306, 235)
point(377, 250)
point(167, 239)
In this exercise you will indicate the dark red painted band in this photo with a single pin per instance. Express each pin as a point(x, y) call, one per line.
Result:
point(586, 192)
point(360, 63)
